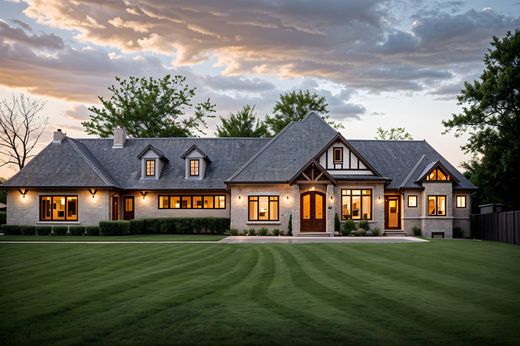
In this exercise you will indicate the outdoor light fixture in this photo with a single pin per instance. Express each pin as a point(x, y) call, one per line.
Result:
point(312, 188)
point(331, 197)
point(239, 196)
point(287, 197)
point(92, 192)
point(23, 192)
point(144, 193)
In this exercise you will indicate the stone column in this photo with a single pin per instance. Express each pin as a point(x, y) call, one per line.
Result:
point(295, 209)
point(331, 210)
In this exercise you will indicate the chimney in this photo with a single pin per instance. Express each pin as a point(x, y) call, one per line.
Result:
point(119, 137)
point(58, 136)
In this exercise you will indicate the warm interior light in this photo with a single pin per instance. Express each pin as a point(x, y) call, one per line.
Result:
point(312, 188)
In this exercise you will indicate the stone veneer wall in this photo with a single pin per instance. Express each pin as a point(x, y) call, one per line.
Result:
point(26, 211)
point(431, 224)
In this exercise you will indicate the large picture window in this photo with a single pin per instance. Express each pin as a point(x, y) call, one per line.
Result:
point(263, 208)
point(192, 202)
point(437, 205)
point(356, 204)
point(58, 208)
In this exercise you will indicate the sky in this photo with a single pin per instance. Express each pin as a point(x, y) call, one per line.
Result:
point(379, 63)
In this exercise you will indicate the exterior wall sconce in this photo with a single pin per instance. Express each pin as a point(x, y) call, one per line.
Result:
point(287, 197)
point(331, 197)
point(144, 193)
point(312, 188)
point(92, 192)
point(239, 196)
point(23, 192)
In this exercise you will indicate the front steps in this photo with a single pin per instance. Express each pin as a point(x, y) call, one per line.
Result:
point(394, 233)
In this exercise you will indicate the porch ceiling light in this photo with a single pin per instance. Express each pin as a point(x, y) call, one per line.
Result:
point(92, 192)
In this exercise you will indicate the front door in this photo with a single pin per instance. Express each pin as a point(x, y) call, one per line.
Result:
point(312, 212)
point(128, 208)
point(392, 212)
point(115, 208)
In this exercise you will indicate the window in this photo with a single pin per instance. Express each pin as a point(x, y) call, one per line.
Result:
point(356, 204)
point(337, 155)
point(194, 168)
point(150, 168)
point(58, 208)
point(192, 202)
point(438, 175)
point(263, 208)
point(412, 201)
point(461, 201)
point(437, 205)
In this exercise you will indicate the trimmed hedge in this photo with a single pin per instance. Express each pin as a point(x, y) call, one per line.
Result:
point(114, 228)
point(60, 230)
point(3, 217)
point(203, 225)
point(10, 229)
point(136, 226)
point(77, 230)
point(27, 230)
point(43, 230)
point(92, 230)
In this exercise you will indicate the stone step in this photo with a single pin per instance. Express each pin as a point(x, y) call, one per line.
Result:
point(394, 234)
point(313, 234)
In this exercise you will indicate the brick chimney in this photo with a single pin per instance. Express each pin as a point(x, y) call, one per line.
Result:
point(58, 136)
point(119, 137)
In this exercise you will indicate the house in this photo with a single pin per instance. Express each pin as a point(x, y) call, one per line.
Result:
point(309, 172)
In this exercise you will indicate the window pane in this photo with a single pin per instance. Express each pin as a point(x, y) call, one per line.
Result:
point(150, 168)
point(356, 192)
point(263, 204)
point(356, 207)
point(163, 202)
point(441, 175)
point(197, 202)
point(208, 202)
point(273, 209)
point(367, 207)
point(367, 192)
point(345, 207)
point(307, 207)
point(221, 202)
point(45, 208)
point(461, 201)
point(412, 201)
point(175, 202)
point(338, 154)
point(194, 167)
point(345, 192)
point(72, 208)
point(441, 205)
point(253, 208)
point(431, 205)
point(58, 207)
point(186, 202)
point(318, 207)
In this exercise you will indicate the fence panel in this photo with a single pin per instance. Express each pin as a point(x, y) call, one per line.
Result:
point(503, 227)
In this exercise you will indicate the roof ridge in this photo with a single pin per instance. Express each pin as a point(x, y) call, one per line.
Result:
point(412, 171)
point(389, 140)
point(107, 180)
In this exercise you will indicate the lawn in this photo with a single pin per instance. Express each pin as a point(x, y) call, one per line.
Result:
point(144, 237)
point(442, 292)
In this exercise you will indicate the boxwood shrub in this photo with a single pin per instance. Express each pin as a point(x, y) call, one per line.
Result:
point(203, 225)
point(43, 230)
point(136, 226)
point(60, 230)
point(92, 231)
point(10, 229)
point(27, 230)
point(77, 230)
point(114, 228)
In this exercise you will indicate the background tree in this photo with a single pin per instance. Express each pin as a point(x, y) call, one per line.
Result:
point(148, 107)
point(294, 106)
point(21, 126)
point(244, 123)
point(395, 133)
point(491, 117)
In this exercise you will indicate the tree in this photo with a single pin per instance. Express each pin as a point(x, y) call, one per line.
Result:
point(294, 106)
point(244, 123)
point(491, 118)
point(148, 107)
point(21, 126)
point(394, 133)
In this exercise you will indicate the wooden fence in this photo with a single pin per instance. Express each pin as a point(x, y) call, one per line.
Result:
point(504, 227)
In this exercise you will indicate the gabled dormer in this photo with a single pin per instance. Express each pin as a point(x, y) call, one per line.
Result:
point(436, 172)
point(152, 162)
point(195, 162)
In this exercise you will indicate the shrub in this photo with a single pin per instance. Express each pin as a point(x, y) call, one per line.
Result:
point(337, 224)
point(60, 230)
point(263, 232)
point(458, 232)
point(348, 227)
point(43, 230)
point(233, 231)
point(3, 217)
point(376, 232)
point(251, 231)
point(243, 232)
point(289, 226)
point(77, 230)
point(113, 228)
point(27, 230)
point(364, 225)
point(136, 226)
point(417, 231)
point(10, 229)
point(212, 225)
point(92, 231)
point(276, 232)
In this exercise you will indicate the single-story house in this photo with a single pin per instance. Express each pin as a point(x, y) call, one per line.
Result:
point(308, 172)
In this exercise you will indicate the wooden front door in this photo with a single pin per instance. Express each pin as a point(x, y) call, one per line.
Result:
point(392, 212)
point(128, 213)
point(312, 212)
point(115, 208)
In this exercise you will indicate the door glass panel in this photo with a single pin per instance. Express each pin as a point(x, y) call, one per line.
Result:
point(129, 204)
point(393, 213)
point(307, 207)
point(318, 207)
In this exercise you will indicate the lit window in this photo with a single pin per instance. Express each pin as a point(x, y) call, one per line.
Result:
point(338, 155)
point(461, 201)
point(150, 168)
point(436, 205)
point(192, 202)
point(412, 201)
point(263, 208)
point(58, 208)
point(438, 175)
point(356, 204)
point(194, 168)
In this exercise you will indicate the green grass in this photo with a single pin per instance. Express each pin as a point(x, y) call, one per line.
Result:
point(442, 292)
point(144, 237)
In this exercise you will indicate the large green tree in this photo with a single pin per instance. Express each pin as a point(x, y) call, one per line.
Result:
point(491, 118)
point(244, 123)
point(394, 133)
point(149, 107)
point(294, 106)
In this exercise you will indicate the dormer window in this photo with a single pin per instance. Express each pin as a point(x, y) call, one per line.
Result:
point(150, 168)
point(438, 175)
point(338, 155)
point(194, 168)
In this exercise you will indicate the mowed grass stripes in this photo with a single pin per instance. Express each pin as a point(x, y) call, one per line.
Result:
point(456, 292)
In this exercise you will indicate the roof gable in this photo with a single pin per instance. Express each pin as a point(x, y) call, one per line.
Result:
point(433, 166)
point(194, 147)
point(153, 149)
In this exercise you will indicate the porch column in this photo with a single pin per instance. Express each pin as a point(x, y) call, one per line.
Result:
point(295, 210)
point(331, 210)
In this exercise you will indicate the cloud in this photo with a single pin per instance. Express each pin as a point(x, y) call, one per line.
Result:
point(42, 41)
point(78, 112)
